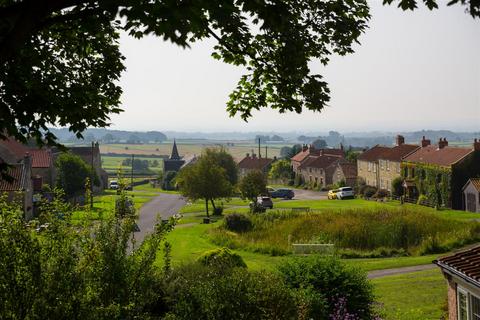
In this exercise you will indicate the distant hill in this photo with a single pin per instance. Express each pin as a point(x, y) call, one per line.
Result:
point(110, 136)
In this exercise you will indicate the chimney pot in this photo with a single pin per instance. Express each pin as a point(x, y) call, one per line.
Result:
point(425, 142)
point(400, 140)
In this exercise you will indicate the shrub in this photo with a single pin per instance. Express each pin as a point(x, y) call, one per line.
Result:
point(218, 211)
point(421, 199)
point(369, 191)
point(381, 193)
point(397, 186)
point(238, 222)
point(221, 258)
point(197, 291)
point(332, 279)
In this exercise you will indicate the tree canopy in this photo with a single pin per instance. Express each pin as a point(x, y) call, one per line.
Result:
point(60, 60)
point(72, 174)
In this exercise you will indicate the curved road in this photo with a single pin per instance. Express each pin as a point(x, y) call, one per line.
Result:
point(159, 208)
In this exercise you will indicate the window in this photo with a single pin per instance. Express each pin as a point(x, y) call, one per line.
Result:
point(475, 307)
point(381, 164)
point(398, 167)
point(462, 304)
point(388, 165)
point(374, 168)
point(369, 166)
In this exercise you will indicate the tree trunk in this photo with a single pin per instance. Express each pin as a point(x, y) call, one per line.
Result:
point(213, 205)
point(206, 206)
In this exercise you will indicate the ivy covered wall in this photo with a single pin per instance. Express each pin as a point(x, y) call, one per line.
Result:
point(432, 181)
point(443, 185)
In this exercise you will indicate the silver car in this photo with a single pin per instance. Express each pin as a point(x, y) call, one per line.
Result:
point(345, 193)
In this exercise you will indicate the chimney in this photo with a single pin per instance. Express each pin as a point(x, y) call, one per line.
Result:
point(248, 155)
point(442, 143)
point(476, 145)
point(400, 140)
point(311, 147)
point(425, 142)
point(304, 148)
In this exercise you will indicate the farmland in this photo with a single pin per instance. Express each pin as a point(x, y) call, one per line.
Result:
point(190, 147)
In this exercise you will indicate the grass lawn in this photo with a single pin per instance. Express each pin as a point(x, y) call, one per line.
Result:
point(112, 164)
point(412, 296)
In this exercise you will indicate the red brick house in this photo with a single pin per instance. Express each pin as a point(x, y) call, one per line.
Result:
point(253, 163)
point(462, 272)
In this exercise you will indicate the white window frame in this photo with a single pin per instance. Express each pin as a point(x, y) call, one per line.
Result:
point(369, 166)
point(470, 311)
point(388, 165)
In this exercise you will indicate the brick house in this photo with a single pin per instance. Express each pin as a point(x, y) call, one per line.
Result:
point(42, 166)
point(317, 171)
point(253, 163)
point(311, 151)
point(471, 195)
point(380, 165)
point(440, 172)
point(345, 171)
point(462, 272)
point(21, 188)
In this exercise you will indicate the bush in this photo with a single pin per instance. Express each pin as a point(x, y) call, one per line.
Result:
point(335, 281)
point(221, 258)
point(381, 193)
point(397, 186)
point(218, 211)
point(238, 222)
point(369, 191)
point(199, 292)
point(421, 199)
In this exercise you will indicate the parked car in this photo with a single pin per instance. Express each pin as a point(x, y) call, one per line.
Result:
point(265, 202)
point(113, 185)
point(345, 193)
point(282, 193)
point(332, 194)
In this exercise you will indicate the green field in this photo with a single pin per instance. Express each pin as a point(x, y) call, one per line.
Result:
point(189, 148)
point(113, 163)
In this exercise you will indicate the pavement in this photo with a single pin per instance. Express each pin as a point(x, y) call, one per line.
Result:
point(301, 194)
point(162, 207)
point(394, 271)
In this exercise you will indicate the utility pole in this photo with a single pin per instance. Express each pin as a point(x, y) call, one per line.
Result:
point(91, 177)
point(266, 152)
point(259, 152)
point(131, 172)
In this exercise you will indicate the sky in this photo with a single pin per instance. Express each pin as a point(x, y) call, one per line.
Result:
point(413, 70)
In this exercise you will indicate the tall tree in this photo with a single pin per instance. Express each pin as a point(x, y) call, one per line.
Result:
point(282, 170)
point(206, 180)
point(72, 173)
point(252, 185)
point(60, 60)
point(225, 160)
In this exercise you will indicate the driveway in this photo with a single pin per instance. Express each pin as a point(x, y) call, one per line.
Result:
point(301, 194)
point(162, 206)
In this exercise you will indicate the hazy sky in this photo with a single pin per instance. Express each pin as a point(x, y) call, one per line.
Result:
point(413, 70)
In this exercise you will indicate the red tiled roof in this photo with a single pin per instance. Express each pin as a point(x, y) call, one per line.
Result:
point(465, 264)
point(349, 169)
point(319, 162)
point(446, 156)
point(475, 182)
point(254, 163)
point(302, 155)
point(396, 153)
point(374, 153)
point(18, 174)
point(41, 158)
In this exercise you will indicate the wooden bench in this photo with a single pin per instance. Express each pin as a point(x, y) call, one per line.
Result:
point(320, 248)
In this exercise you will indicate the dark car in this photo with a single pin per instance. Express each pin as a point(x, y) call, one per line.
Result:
point(282, 193)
